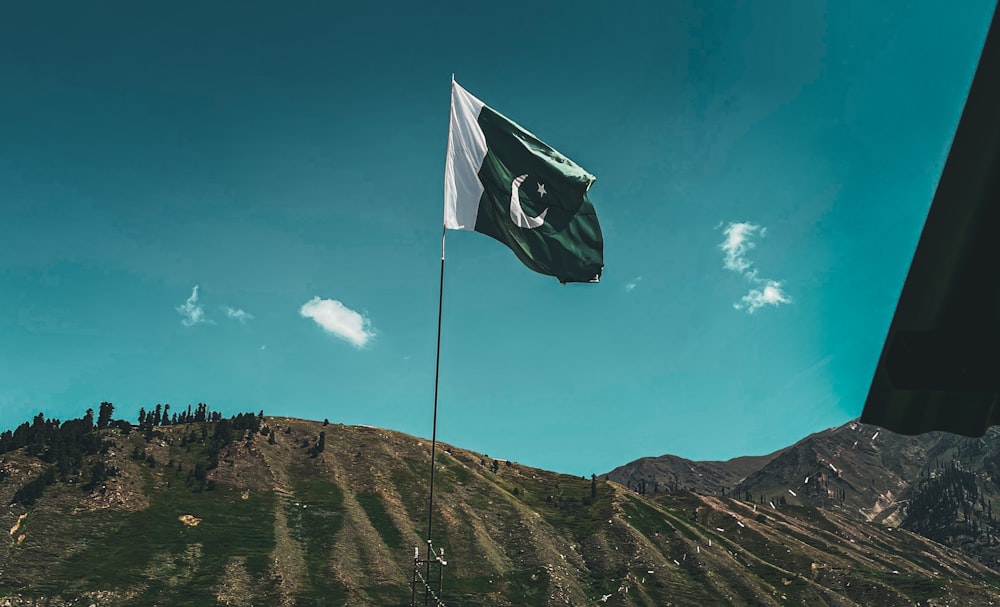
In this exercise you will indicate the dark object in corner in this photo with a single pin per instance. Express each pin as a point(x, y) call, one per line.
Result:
point(940, 364)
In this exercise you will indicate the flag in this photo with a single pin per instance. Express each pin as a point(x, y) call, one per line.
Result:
point(502, 181)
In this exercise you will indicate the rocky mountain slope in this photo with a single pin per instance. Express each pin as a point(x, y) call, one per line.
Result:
point(277, 511)
point(939, 485)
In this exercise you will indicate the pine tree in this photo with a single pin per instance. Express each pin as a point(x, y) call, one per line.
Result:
point(104, 414)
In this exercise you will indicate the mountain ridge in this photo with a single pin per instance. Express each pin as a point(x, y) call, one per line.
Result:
point(867, 472)
point(258, 509)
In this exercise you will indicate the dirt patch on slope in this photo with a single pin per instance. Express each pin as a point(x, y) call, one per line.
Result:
point(17, 524)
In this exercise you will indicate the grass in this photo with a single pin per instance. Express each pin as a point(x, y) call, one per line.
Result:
point(413, 474)
point(461, 474)
point(565, 502)
point(665, 531)
point(152, 548)
point(521, 588)
point(814, 542)
point(813, 516)
point(645, 518)
point(372, 504)
point(918, 588)
point(314, 517)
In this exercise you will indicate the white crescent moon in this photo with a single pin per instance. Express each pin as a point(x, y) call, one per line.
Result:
point(517, 214)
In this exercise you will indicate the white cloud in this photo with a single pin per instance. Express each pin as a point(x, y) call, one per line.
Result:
point(334, 317)
point(737, 244)
point(771, 295)
point(192, 311)
point(632, 284)
point(237, 314)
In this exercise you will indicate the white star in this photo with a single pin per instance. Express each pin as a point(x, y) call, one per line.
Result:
point(541, 190)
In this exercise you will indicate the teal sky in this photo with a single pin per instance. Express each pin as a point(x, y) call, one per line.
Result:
point(287, 159)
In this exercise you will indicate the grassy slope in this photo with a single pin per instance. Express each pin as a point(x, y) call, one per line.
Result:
point(283, 528)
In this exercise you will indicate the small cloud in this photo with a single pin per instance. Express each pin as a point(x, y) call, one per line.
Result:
point(237, 314)
point(771, 295)
point(334, 317)
point(737, 244)
point(632, 284)
point(192, 311)
point(263, 347)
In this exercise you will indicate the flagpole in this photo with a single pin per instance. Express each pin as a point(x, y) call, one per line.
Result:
point(437, 374)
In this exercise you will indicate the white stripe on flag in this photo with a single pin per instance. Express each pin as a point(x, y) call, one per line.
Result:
point(466, 151)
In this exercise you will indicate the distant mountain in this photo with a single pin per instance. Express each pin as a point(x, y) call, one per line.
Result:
point(257, 510)
point(938, 485)
point(670, 474)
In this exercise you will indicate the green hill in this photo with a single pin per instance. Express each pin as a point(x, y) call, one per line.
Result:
point(275, 511)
